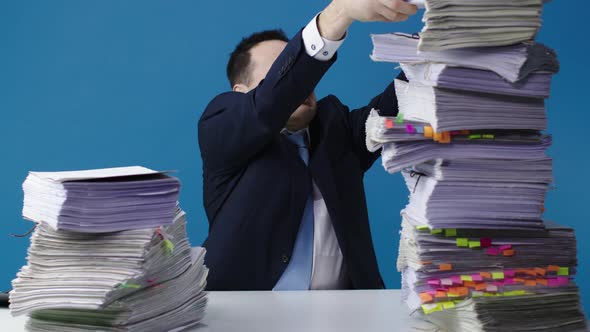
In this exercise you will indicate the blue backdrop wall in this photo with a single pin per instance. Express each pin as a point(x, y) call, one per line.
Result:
point(88, 84)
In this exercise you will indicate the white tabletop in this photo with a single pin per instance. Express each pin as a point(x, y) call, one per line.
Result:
point(326, 311)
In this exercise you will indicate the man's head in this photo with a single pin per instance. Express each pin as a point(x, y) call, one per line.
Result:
point(250, 62)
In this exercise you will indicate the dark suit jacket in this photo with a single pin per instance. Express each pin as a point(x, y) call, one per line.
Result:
point(255, 185)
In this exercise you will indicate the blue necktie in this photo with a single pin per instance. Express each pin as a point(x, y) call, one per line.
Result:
point(297, 275)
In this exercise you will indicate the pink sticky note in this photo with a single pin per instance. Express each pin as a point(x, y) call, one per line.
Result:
point(410, 129)
point(476, 277)
point(491, 288)
point(499, 283)
point(563, 281)
point(509, 273)
point(431, 292)
point(446, 282)
point(456, 280)
point(553, 282)
point(485, 242)
point(505, 247)
point(492, 251)
point(389, 123)
point(508, 281)
point(434, 282)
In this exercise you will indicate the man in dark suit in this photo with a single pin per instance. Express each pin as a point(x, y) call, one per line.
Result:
point(283, 174)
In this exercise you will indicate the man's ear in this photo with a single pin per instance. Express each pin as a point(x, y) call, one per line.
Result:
point(243, 88)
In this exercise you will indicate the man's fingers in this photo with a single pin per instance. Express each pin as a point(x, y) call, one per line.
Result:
point(400, 6)
point(389, 15)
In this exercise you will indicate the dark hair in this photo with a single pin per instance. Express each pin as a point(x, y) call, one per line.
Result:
point(238, 70)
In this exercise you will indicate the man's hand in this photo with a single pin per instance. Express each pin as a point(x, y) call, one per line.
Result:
point(339, 15)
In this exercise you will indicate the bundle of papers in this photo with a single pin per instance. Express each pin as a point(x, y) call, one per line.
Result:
point(450, 24)
point(103, 200)
point(147, 278)
point(512, 62)
point(489, 280)
point(447, 109)
point(465, 201)
point(535, 85)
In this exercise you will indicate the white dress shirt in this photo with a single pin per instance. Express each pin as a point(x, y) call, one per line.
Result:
point(328, 271)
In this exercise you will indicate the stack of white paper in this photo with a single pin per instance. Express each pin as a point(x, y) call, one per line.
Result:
point(450, 24)
point(104, 200)
point(142, 279)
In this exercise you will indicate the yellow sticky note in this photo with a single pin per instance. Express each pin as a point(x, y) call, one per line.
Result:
point(563, 271)
point(474, 244)
point(450, 232)
point(466, 278)
point(497, 275)
point(448, 305)
point(462, 242)
point(436, 231)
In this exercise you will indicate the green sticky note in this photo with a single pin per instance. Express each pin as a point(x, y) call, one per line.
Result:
point(475, 136)
point(126, 285)
point(451, 295)
point(450, 232)
point(400, 118)
point(474, 244)
point(462, 242)
point(563, 271)
point(168, 246)
point(489, 136)
point(448, 305)
point(497, 275)
point(422, 228)
point(466, 278)
point(436, 231)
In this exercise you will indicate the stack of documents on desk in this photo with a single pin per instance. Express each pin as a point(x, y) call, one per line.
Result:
point(475, 253)
point(141, 279)
point(452, 24)
point(490, 277)
point(104, 200)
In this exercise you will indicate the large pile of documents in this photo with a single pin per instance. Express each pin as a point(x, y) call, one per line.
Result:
point(122, 269)
point(475, 253)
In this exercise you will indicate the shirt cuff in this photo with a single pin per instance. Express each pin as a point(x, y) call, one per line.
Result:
point(317, 46)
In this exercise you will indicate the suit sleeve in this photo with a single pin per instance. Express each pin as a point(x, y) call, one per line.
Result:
point(236, 126)
point(386, 104)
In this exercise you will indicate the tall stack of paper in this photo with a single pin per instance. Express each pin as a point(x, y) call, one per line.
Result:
point(115, 272)
point(475, 253)
point(468, 23)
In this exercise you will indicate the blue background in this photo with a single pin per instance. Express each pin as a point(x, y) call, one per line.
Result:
point(89, 84)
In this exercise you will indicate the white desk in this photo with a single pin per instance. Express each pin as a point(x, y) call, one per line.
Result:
point(323, 311)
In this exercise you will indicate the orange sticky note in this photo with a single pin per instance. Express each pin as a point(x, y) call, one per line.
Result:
point(553, 268)
point(469, 284)
point(425, 297)
point(518, 280)
point(445, 267)
point(530, 272)
point(530, 282)
point(540, 271)
point(542, 281)
point(440, 294)
point(428, 132)
point(426, 262)
point(486, 275)
point(445, 137)
point(508, 252)
point(480, 286)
